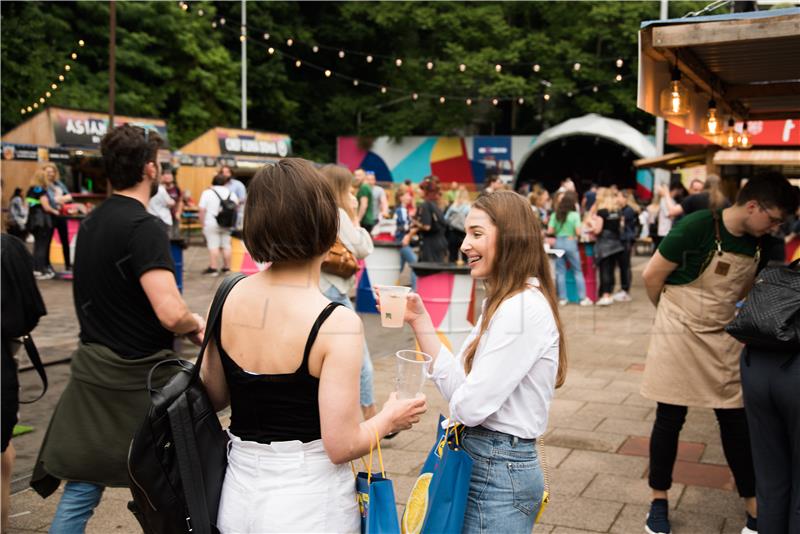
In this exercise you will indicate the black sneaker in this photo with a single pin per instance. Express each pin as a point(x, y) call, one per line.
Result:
point(658, 518)
point(225, 270)
point(210, 272)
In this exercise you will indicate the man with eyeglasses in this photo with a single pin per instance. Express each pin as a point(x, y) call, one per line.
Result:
point(129, 310)
point(703, 267)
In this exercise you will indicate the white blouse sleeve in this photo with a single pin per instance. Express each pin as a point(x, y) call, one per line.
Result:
point(520, 332)
point(356, 239)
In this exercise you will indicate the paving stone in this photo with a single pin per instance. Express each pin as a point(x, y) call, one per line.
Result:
point(734, 525)
point(615, 374)
point(603, 462)
point(401, 463)
point(577, 421)
point(604, 410)
point(635, 399)
point(29, 511)
point(567, 530)
point(582, 513)
point(541, 528)
point(585, 439)
point(565, 406)
point(555, 455)
point(623, 385)
point(712, 501)
point(706, 475)
point(640, 446)
point(625, 426)
point(594, 395)
point(617, 488)
point(569, 482)
point(402, 488)
point(581, 380)
point(714, 454)
point(632, 519)
point(635, 368)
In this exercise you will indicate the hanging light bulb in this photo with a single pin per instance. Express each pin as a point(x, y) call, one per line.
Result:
point(30, 109)
point(60, 77)
point(41, 99)
point(619, 63)
point(53, 87)
point(369, 59)
point(270, 50)
point(355, 83)
point(494, 102)
point(398, 62)
point(537, 68)
point(569, 94)
point(266, 36)
point(214, 24)
point(298, 63)
point(289, 41)
point(36, 105)
point(521, 101)
point(222, 21)
point(22, 111)
point(341, 54)
point(675, 97)
point(595, 89)
point(577, 66)
point(618, 78)
point(315, 49)
point(743, 140)
point(74, 55)
point(328, 73)
point(414, 96)
point(184, 6)
point(242, 38)
point(729, 138)
point(200, 12)
point(546, 97)
point(429, 65)
point(442, 100)
point(383, 90)
point(81, 42)
point(469, 101)
point(498, 67)
point(67, 68)
point(462, 67)
point(48, 94)
point(713, 126)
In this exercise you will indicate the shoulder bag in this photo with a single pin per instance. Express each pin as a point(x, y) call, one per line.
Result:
point(339, 261)
point(178, 457)
point(770, 317)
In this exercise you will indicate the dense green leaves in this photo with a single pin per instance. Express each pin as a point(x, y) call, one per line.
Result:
point(173, 64)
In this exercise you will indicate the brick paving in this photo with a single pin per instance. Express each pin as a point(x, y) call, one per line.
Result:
point(596, 445)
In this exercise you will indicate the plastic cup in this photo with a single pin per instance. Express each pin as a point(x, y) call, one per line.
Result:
point(411, 366)
point(393, 305)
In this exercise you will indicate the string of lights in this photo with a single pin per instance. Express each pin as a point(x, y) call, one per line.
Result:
point(54, 85)
point(273, 49)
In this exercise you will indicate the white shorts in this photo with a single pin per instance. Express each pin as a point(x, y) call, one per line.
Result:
point(217, 237)
point(286, 486)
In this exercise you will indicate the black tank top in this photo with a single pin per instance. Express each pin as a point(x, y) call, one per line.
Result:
point(281, 407)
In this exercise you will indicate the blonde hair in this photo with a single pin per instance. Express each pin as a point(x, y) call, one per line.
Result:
point(607, 199)
point(52, 166)
point(520, 255)
point(462, 196)
point(341, 179)
point(716, 198)
point(39, 178)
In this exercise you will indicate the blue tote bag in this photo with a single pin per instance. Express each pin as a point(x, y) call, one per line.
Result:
point(375, 495)
point(439, 498)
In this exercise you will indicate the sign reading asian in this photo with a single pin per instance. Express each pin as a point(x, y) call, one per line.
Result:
point(86, 130)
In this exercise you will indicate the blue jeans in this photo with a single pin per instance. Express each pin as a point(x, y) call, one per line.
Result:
point(76, 506)
point(367, 395)
point(407, 256)
point(506, 487)
point(573, 256)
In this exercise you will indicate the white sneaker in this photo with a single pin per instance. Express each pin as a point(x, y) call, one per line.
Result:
point(605, 301)
point(562, 302)
point(746, 530)
point(587, 302)
point(622, 296)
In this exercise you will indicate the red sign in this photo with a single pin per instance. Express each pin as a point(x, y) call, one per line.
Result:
point(772, 133)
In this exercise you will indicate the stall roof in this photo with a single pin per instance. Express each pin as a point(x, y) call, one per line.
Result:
point(672, 160)
point(747, 61)
point(757, 157)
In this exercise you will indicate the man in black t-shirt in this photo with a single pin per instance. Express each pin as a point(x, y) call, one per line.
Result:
point(129, 309)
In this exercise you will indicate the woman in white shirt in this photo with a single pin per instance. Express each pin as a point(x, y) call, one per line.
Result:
point(358, 241)
point(502, 381)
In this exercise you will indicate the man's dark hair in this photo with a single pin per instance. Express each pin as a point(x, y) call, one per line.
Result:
point(291, 213)
point(771, 189)
point(219, 179)
point(126, 150)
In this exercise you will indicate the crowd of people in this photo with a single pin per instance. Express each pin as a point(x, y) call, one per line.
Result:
point(304, 355)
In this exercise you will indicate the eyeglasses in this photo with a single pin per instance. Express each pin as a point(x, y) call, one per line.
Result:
point(772, 220)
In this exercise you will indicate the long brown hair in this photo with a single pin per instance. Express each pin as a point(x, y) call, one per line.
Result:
point(341, 180)
point(566, 205)
point(520, 255)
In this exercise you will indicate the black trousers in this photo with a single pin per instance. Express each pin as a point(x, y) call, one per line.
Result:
point(60, 226)
point(735, 444)
point(625, 275)
point(606, 266)
point(454, 240)
point(771, 387)
point(41, 248)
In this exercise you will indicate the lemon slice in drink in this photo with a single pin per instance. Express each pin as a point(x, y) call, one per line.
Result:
point(417, 505)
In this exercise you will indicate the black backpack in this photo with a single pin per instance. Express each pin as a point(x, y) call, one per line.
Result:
point(227, 215)
point(178, 457)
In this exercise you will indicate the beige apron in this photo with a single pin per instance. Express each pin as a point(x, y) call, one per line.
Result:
point(691, 360)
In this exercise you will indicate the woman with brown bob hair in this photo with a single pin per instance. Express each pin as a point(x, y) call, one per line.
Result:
point(287, 361)
point(502, 381)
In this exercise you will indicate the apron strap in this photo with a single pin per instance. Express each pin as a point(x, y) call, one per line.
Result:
point(717, 236)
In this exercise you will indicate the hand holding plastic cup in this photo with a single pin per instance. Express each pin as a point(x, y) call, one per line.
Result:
point(393, 305)
point(411, 366)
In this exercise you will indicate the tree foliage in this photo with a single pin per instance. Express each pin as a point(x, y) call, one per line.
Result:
point(172, 64)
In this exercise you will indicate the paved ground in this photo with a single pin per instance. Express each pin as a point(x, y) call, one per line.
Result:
point(596, 445)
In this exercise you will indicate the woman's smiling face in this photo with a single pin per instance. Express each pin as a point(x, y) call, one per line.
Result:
point(480, 243)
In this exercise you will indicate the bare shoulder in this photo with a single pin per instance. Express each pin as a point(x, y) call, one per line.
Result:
point(342, 320)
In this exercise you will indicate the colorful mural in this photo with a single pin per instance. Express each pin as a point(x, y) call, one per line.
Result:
point(452, 159)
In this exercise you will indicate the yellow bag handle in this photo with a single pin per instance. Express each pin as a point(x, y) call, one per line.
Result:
point(380, 456)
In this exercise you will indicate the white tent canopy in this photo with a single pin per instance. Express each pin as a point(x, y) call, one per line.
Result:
point(596, 125)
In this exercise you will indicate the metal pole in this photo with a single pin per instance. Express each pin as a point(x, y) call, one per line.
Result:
point(112, 61)
point(661, 175)
point(244, 65)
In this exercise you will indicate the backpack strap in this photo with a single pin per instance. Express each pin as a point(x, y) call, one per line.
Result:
point(36, 361)
point(312, 336)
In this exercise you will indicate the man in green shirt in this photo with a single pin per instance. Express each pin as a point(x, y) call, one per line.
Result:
point(702, 268)
point(366, 210)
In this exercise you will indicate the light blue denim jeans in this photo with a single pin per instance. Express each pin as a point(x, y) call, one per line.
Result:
point(506, 487)
point(76, 506)
point(367, 395)
point(573, 256)
point(407, 256)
